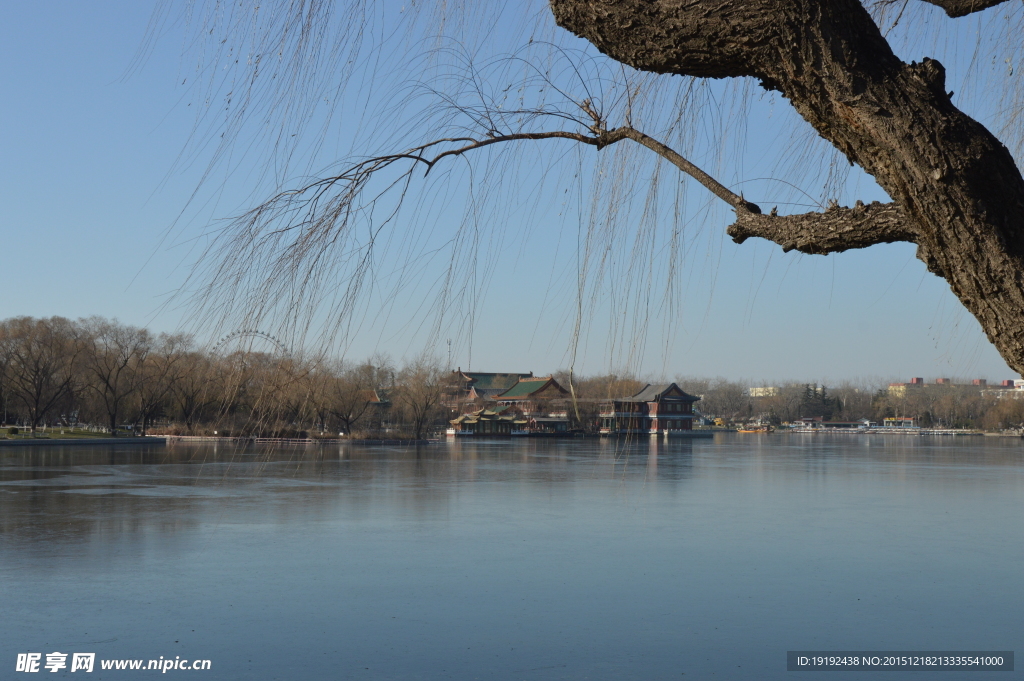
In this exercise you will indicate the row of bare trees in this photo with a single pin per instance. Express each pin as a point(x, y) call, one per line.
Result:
point(934, 405)
point(57, 371)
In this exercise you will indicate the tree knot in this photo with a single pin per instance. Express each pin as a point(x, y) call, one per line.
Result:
point(931, 72)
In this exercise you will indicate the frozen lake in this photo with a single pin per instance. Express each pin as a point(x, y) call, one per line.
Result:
point(533, 559)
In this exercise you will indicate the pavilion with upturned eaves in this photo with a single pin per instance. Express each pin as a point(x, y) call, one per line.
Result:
point(487, 422)
point(472, 386)
point(663, 409)
point(542, 402)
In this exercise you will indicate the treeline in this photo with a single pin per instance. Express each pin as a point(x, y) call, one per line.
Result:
point(945, 406)
point(97, 371)
point(938, 406)
point(732, 402)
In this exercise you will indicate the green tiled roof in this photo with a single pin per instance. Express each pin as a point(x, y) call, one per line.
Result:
point(526, 387)
point(654, 393)
point(483, 381)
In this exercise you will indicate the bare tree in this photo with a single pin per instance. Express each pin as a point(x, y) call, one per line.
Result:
point(353, 392)
point(112, 362)
point(422, 385)
point(158, 375)
point(196, 392)
point(719, 397)
point(284, 397)
point(316, 384)
point(40, 362)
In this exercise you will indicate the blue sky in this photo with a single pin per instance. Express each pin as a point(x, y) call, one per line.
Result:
point(94, 188)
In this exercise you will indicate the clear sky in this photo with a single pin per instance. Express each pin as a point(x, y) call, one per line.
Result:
point(93, 187)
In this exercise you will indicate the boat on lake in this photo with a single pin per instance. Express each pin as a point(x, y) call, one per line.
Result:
point(756, 429)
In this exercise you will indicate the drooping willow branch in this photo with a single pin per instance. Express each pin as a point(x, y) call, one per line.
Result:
point(283, 250)
point(834, 230)
point(600, 139)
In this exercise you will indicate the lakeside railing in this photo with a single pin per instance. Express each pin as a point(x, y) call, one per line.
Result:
point(290, 440)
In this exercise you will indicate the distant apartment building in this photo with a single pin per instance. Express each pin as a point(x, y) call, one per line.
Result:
point(1013, 389)
point(900, 390)
point(763, 391)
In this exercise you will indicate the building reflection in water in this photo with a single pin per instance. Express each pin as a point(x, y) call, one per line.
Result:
point(98, 494)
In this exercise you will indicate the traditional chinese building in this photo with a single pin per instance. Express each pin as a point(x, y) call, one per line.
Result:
point(470, 386)
point(486, 422)
point(541, 401)
point(656, 410)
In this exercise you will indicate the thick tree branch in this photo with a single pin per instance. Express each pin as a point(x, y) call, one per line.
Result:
point(833, 231)
point(837, 229)
point(961, 8)
point(715, 187)
point(711, 39)
point(600, 138)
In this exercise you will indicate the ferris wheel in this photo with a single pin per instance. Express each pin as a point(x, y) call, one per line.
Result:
point(242, 340)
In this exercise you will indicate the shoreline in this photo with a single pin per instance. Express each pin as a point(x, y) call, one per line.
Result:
point(43, 441)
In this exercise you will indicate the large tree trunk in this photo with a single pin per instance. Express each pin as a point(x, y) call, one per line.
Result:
point(957, 192)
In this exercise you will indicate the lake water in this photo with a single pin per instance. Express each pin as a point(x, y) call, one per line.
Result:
point(514, 560)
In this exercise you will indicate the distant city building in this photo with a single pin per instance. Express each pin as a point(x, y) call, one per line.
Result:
point(899, 390)
point(1013, 389)
point(764, 391)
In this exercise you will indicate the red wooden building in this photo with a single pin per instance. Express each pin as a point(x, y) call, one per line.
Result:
point(656, 410)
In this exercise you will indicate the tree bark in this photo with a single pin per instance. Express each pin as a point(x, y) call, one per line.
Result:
point(837, 229)
point(957, 187)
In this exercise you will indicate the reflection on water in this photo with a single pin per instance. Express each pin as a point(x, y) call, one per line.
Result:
point(85, 491)
point(513, 559)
